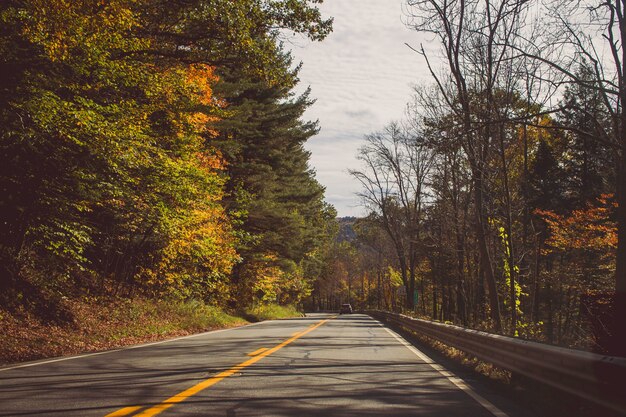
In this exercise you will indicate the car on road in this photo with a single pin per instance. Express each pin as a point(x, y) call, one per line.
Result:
point(345, 309)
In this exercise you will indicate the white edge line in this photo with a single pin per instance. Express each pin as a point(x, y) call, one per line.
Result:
point(458, 382)
point(67, 358)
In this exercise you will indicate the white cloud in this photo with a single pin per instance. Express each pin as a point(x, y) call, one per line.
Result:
point(361, 76)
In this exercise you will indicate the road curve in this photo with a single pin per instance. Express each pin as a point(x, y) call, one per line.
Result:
point(321, 365)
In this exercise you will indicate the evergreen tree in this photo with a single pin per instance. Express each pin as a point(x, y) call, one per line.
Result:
point(546, 180)
point(263, 141)
point(589, 162)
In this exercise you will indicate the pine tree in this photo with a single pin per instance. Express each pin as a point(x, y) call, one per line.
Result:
point(263, 140)
point(546, 180)
point(589, 163)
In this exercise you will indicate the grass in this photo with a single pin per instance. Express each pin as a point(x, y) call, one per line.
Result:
point(271, 312)
point(100, 324)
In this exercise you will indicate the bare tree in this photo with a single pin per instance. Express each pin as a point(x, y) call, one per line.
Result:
point(450, 187)
point(591, 33)
point(475, 36)
point(396, 166)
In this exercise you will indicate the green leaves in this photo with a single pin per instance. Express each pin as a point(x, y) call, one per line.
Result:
point(112, 173)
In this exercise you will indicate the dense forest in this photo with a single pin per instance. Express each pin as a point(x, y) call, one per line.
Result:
point(498, 201)
point(155, 148)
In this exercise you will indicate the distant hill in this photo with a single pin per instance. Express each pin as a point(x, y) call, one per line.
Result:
point(346, 229)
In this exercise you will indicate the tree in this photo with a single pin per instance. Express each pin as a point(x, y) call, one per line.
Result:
point(586, 29)
point(397, 165)
point(478, 55)
point(263, 140)
point(112, 177)
point(590, 163)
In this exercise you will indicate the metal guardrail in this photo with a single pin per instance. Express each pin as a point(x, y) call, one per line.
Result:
point(597, 378)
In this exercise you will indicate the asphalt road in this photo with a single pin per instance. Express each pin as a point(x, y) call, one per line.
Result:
point(320, 365)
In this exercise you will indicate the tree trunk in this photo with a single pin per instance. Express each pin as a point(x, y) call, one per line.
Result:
point(618, 345)
point(536, 298)
point(378, 283)
point(461, 297)
point(435, 296)
point(485, 259)
point(550, 324)
point(619, 304)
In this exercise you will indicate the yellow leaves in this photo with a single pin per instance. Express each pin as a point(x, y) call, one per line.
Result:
point(395, 278)
point(541, 129)
point(261, 279)
point(61, 26)
point(198, 253)
point(268, 284)
point(189, 87)
point(267, 279)
point(204, 236)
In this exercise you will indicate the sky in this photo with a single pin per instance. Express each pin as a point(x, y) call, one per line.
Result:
point(361, 77)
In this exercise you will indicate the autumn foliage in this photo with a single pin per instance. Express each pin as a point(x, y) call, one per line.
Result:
point(590, 228)
point(115, 178)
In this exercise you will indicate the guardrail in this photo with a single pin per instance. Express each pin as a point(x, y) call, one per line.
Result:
point(597, 378)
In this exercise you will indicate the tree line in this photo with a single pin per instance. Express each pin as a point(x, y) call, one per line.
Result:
point(499, 202)
point(156, 147)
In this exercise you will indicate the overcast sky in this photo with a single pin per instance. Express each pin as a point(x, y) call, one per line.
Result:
point(361, 77)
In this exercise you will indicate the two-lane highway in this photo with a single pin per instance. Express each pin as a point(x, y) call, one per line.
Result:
point(320, 365)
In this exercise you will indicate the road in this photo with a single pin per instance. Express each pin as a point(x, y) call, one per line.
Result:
point(321, 365)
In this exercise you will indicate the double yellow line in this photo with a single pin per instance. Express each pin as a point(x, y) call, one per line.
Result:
point(182, 396)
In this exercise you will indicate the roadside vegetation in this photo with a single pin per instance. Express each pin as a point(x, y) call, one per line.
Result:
point(271, 311)
point(498, 201)
point(152, 155)
point(101, 323)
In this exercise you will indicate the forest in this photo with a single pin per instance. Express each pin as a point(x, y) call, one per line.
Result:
point(155, 149)
point(153, 152)
point(497, 201)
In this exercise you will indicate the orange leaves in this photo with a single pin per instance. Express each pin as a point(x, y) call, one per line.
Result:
point(199, 251)
point(587, 229)
point(201, 78)
point(211, 161)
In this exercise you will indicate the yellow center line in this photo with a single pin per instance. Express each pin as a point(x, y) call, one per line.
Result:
point(181, 396)
point(123, 412)
point(256, 352)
